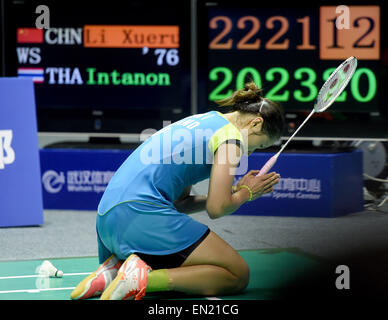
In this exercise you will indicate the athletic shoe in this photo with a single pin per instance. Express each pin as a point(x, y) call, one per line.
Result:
point(96, 283)
point(131, 281)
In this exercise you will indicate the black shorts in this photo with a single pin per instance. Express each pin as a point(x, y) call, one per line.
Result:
point(172, 260)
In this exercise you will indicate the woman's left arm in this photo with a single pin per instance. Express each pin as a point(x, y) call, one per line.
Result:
point(190, 204)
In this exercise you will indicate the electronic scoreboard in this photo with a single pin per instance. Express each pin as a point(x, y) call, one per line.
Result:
point(116, 66)
point(123, 66)
point(290, 51)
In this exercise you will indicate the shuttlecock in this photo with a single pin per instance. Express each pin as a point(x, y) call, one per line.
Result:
point(47, 269)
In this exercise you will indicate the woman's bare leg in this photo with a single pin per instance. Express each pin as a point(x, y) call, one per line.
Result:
point(213, 268)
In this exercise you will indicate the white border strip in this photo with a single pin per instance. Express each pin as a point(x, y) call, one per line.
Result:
point(43, 276)
point(337, 138)
point(135, 137)
point(36, 290)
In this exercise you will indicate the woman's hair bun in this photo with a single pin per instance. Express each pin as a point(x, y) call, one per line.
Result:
point(254, 89)
point(250, 100)
point(249, 94)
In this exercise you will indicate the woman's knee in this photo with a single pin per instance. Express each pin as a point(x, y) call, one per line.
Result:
point(215, 251)
point(242, 273)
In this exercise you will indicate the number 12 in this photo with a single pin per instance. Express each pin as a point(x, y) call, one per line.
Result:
point(356, 24)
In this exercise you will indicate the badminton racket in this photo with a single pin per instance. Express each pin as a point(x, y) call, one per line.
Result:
point(329, 92)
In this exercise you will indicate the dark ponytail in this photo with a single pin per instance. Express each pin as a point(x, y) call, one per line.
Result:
point(251, 100)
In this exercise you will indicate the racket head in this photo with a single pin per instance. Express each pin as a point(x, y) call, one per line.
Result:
point(335, 84)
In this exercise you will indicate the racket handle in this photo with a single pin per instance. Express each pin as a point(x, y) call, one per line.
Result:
point(268, 165)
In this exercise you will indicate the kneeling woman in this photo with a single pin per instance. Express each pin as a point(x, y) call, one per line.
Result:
point(146, 240)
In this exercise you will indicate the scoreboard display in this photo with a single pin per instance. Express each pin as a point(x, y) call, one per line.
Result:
point(117, 66)
point(123, 66)
point(291, 51)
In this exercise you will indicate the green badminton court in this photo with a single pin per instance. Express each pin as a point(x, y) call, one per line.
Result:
point(273, 272)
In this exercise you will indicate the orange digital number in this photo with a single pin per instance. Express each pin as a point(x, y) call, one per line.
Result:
point(215, 44)
point(306, 45)
point(252, 24)
point(271, 44)
point(241, 24)
point(361, 38)
point(370, 25)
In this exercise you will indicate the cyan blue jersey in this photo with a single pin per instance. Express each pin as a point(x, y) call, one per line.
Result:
point(175, 157)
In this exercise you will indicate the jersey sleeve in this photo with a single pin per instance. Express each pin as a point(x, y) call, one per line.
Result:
point(226, 134)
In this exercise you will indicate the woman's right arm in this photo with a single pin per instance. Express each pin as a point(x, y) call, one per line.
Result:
point(220, 200)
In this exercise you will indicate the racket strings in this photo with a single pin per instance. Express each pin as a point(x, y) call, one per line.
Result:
point(335, 84)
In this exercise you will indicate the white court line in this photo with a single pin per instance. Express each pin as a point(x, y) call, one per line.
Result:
point(36, 290)
point(43, 276)
point(56, 289)
point(66, 288)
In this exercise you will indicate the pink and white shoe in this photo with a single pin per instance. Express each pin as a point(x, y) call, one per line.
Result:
point(131, 281)
point(94, 284)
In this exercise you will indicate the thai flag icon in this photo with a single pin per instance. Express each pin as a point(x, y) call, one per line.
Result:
point(35, 73)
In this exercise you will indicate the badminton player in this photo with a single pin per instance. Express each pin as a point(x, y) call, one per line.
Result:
point(147, 242)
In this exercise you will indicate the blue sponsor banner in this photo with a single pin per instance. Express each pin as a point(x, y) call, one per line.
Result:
point(311, 185)
point(76, 178)
point(20, 186)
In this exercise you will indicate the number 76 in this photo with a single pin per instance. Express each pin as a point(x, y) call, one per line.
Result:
point(171, 56)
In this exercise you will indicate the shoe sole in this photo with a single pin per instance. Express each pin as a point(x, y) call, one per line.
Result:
point(110, 293)
point(84, 286)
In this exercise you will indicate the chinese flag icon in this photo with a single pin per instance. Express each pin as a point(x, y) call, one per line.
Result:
point(29, 35)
